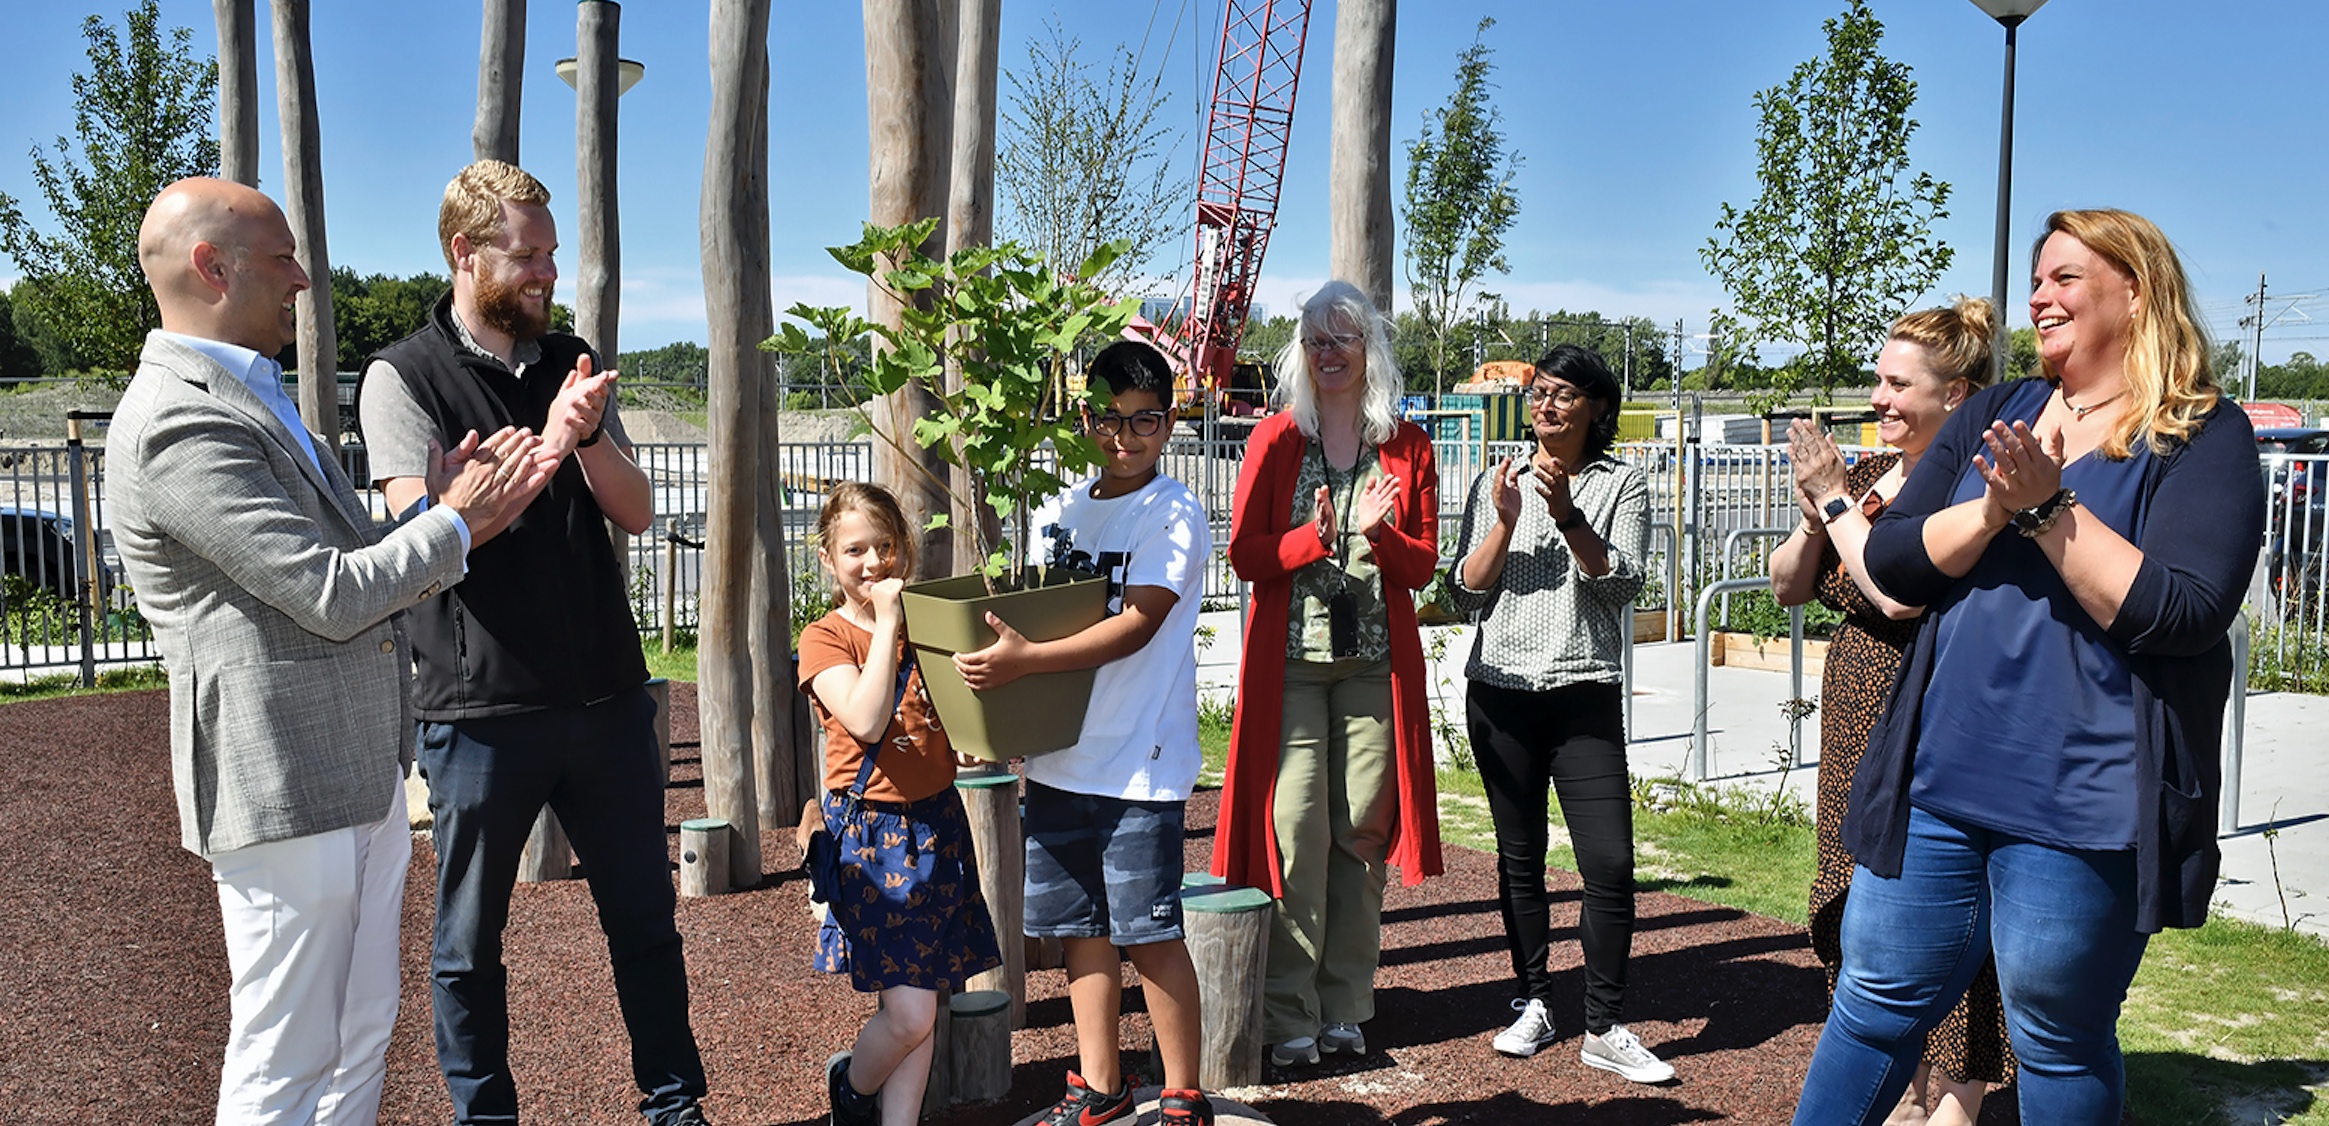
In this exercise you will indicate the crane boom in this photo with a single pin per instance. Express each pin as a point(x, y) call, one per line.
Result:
point(1243, 166)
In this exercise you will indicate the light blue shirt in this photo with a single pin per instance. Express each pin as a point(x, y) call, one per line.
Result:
point(265, 379)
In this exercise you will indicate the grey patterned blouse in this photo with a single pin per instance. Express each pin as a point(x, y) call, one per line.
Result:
point(1545, 623)
point(1309, 637)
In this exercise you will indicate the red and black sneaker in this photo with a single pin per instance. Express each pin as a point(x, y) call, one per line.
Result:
point(1182, 1107)
point(1083, 1106)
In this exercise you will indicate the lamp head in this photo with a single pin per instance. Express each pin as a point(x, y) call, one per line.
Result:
point(2009, 12)
point(628, 72)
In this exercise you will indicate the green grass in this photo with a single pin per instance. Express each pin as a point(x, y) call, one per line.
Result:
point(69, 684)
point(2227, 1024)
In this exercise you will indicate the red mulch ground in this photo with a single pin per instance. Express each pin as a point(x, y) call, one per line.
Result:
point(111, 954)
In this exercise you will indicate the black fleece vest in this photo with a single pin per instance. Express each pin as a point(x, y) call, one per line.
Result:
point(541, 620)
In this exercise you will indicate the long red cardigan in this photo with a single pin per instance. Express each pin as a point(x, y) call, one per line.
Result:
point(1266, 547)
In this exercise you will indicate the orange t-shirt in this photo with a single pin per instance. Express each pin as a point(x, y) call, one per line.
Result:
point(916, 760)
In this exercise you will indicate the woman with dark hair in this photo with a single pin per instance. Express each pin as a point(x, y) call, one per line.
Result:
point(1336, 524)
point(1933, 360)
point(2043, 785)
point(1553, 579)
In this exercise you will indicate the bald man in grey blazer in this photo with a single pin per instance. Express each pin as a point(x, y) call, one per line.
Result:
point(274, 602)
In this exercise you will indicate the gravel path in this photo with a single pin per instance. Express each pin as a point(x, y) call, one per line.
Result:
point(111, 953)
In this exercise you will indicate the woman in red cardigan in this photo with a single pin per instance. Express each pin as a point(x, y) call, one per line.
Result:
point(1330, 774)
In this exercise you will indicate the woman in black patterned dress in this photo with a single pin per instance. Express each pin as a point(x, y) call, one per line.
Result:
point(1934, 359)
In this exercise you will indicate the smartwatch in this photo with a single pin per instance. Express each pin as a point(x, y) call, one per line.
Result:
point(1836, 507)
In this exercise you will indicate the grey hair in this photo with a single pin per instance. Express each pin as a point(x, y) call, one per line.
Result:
point(1338, 304)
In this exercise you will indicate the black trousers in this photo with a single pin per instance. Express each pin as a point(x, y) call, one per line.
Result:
point(1572, 738)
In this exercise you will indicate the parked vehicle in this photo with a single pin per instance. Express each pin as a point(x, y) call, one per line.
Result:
point(37, 546)
point(2297, 521)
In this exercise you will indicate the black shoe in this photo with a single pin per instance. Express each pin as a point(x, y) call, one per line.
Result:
point(849, 1107)
point(689, 1115)
point(1184, 1108)
point(1083, 1106)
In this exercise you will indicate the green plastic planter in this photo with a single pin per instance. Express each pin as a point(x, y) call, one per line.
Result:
point(1030, 715)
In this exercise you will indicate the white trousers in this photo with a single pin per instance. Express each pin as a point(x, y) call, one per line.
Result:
point(311, 940)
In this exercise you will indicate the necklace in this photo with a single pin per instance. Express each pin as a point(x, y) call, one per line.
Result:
point(2079, 413)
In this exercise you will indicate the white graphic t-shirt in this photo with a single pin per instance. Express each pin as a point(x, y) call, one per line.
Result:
point(1139, 740)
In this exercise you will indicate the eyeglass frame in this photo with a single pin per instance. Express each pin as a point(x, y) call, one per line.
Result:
point(1342, 343)
point(1564, 396)
point(1110, 424)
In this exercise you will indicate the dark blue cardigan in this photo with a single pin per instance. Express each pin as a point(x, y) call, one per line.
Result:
point(2198, 525)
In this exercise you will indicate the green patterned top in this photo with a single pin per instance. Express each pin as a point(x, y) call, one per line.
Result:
point(1309, 637)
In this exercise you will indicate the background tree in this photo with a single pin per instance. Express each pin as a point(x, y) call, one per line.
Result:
point(1840, 241)
point(1459, 203)
point(18, 359)
point(143, 114)
point(1085, 157)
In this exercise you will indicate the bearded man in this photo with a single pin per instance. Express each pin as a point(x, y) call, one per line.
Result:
point(531, 689)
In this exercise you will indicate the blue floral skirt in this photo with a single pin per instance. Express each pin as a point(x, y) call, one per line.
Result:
point(910, 910)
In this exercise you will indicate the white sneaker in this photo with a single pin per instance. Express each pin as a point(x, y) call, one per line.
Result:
point(1342, 1039)
point(1619, 1050)
point(1301, 1051)
point(1532, 1033)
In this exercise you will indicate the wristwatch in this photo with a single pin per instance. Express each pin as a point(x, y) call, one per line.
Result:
point(1574, 519)
point(2033, 522)
point(1836, 507)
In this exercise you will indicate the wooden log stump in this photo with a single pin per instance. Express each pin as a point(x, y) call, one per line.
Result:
point(1228, 935)
point(991, 799)
point(659, 690)
point(547, 855)
point(980, 1052)
point(703, 857)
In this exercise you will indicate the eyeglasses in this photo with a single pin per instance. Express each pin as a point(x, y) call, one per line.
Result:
point(1332, 342)
point(1562, 397)
point(1143, 423)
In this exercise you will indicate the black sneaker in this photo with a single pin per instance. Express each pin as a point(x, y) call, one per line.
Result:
point(849, 1107)
point(1083, 1106)
point(1180, 1107)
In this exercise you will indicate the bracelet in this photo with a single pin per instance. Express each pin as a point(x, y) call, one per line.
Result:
point(596, 433)
point(1812, 529)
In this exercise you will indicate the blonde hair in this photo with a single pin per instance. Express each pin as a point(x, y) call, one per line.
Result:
point(1956, 338)
point(472, 206)
point(2167, 351)
point(881, 510)
point(1339, 303)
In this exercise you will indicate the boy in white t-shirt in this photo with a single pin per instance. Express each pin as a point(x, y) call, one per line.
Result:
point(1104, 817)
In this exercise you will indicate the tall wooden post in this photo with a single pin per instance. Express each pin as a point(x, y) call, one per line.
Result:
point(501, 67)
point(734, 247)
point(970, 193)
point(786, 771)
point(319, 346)
point(908, 112)
point(597, 84)
point(238, 91)
point(1359, 196)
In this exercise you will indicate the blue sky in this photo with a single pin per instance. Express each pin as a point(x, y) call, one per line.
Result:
point(1634, 120)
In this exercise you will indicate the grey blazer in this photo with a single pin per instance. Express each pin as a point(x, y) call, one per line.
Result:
point(273, 599)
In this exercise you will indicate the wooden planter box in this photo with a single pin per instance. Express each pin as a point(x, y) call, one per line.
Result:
point(1746, 651)
point(1649, 625)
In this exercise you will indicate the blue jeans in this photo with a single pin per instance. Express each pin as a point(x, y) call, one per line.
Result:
point(2062, 925)
point(596, 767)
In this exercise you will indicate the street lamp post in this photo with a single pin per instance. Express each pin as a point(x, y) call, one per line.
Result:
point(2010, 13)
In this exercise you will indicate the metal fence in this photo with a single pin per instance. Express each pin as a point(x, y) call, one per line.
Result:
point(1716, 510)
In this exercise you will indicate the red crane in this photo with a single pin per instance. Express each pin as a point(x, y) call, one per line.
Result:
point(1243, 164)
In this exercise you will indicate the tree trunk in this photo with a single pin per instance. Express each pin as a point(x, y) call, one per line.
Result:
point(598, 282)
point(238, 91)
point(970, 195)
point(1360, 194)
point(319, 346)
point(908, 113)
point(501, 66)
point(787, 771)
point(734, 248)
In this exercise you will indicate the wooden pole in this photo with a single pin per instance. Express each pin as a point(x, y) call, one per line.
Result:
point(501, 67)
point(990, 802)
point(908, 114)
point(238, 91)
point(785, 779)
point(1359, 195)
point(734, 247)
point(599, 273)
point(319, 346)
point(970, 195)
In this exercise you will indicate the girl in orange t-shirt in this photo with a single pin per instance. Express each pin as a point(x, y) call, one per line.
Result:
point(910, 918)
